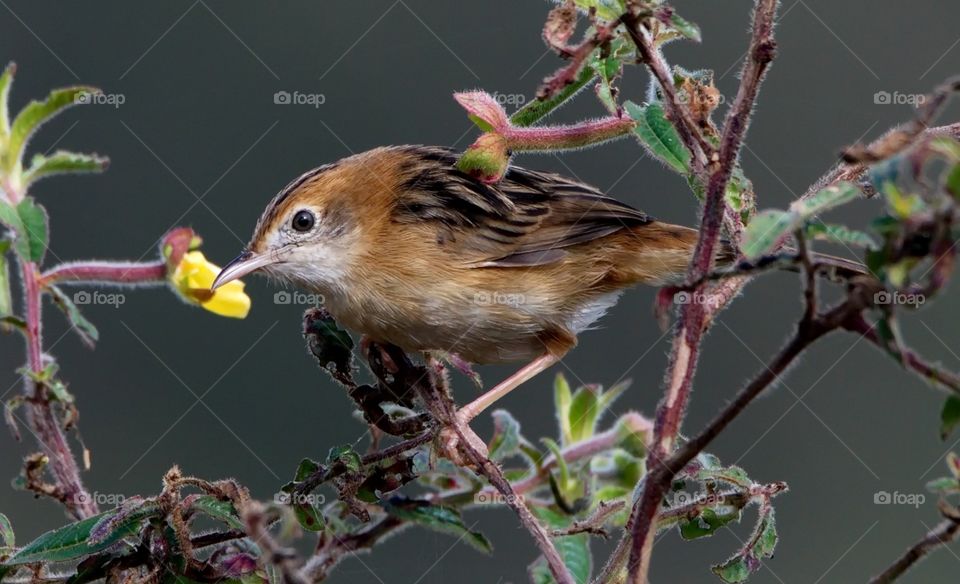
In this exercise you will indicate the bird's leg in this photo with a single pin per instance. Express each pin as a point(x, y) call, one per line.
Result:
point(471, 410)
point(525, 374)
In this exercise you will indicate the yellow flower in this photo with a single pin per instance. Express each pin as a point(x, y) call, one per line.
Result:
point(192, 279)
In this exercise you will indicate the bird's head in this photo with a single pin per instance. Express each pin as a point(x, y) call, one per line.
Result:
point(311, 231)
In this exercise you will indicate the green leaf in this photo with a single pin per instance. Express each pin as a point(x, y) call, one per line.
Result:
point(944, 486)
point(573, 549)
point(308, 516)
point(436, 517)
point(708, 522)
point(761, 545)
point(606, 9)
point(306, 468)
point(10, 218)
point(949, 416)
point(733, 474)
point(7, 538)
point(330, 344)
point(6, 302)
point(6, 80)
point(952, 183)
point(35, 114)
point(685, 28)
point(841, 234)
point(346, 455)
point(771, 226)
point(506, 436)
point(583, 413)
point(561, 401)
point(70, 542)
point(764, 231)
point(660, 137)
point(34, 218)
point(84, 328)
point(538, 109)
point(63, 162)
point(221, 510)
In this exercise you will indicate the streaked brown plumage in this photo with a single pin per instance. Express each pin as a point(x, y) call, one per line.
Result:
point(408, 250)
point(433, 259)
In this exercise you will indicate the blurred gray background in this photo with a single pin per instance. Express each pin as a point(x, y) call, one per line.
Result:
point(199, 141)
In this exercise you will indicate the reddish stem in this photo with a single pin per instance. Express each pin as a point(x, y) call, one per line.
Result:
point(552, 138)
point(106, 272)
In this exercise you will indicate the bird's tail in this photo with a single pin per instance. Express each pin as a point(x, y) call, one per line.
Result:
point(663, 252)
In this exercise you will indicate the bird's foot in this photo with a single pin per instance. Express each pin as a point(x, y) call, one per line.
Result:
point(451, 447)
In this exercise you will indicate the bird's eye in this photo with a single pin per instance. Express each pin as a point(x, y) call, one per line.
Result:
point(303, 221)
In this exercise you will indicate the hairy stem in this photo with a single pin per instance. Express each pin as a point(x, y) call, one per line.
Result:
point(106, 272)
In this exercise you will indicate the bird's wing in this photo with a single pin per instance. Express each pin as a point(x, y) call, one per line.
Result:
point(526, 219)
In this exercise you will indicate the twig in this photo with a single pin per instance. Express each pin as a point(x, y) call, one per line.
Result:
point(690, 134)
point(439, 403)
point(594, 523)
point(694, 316)
point(283, 558)
point(945, 532)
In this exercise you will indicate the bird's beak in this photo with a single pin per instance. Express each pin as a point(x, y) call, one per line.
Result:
point(240, 266)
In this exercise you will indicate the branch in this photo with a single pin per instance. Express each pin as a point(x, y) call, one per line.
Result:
point(694, 316)
point(945, 532)
point(106, 273)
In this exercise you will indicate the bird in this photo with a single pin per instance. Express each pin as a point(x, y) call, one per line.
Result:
point(407, 249)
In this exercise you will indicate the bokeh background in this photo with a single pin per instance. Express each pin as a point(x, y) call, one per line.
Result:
point(199, 141)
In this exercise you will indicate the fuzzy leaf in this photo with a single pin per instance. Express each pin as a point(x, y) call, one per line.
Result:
point(35, 114)
point(6, 80)
point(438, 518)
point(708, 522)
point(583, 413)
point(6, 302)
point(764, 231)
point(537, 109)
point(841, 234)
point(346, 455)
point(561, 401)
point(84, 328)
point(7, 538)
point(221, 510)
point(71, 542)
point(308, 516)
point(685, 27)
point(306, 468)
point(63, 162)
point(330, 344)
point(506, 435)
point(606, 9)
point(949, 416)
point(659, 135)
point(484, 110)
point(573, 549)
point(761, 545)
point(733, 474)
point(34, 218)
point(944, 486)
